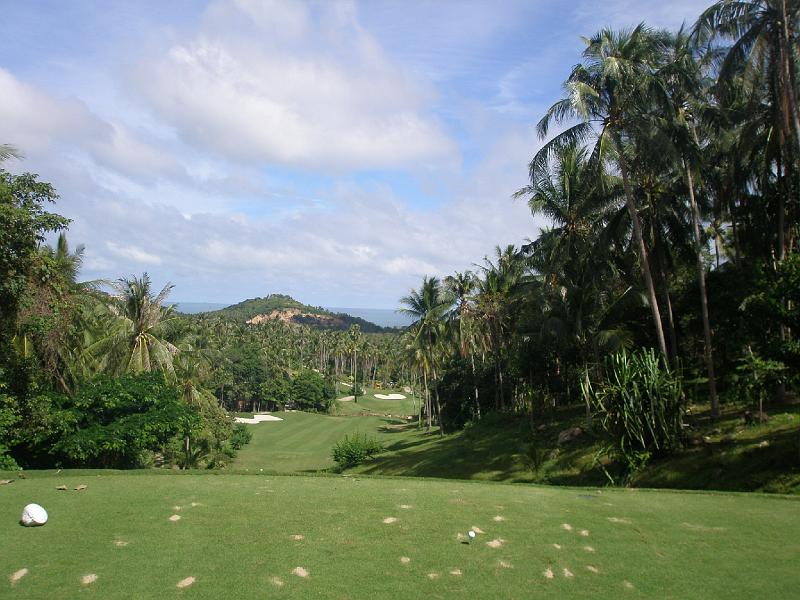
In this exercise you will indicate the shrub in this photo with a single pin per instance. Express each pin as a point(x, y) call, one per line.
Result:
point(355, 449)
point(640, 406)
point(240, 437)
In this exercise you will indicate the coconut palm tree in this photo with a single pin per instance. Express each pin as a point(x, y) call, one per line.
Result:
point(137, 330)
point(462, 323)
point(428, 307)
point(607, 94)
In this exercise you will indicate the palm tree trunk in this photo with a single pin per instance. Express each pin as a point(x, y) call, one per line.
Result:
point(642, 251)
point(427, 401)
point(701, 280)
point(475, 383)
point(438, 406)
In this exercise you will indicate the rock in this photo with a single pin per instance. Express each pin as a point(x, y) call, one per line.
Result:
point(569, 435)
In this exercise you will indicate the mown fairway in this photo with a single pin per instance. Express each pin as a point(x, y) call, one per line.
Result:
point(239, 537)
point(302, 442)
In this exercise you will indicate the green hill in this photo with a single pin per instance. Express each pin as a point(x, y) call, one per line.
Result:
point(287, 309)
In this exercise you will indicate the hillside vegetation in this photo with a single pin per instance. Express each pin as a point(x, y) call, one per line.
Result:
point(287, 309)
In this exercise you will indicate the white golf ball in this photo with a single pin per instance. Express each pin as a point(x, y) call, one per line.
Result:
point(33, 515)
point(471, 534)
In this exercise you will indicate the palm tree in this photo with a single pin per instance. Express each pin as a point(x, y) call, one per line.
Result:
point(428, 308)
point(498, 294)
point(462, 322)
point(606, 94)
point(137, 330)
point(681, 80)
point(763, 55)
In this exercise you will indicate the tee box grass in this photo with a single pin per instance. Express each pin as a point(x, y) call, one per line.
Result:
point(253, 536)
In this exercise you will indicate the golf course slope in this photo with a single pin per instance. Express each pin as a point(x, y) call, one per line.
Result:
point(262, 536)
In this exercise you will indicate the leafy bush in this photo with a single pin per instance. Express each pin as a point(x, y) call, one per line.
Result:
point(640, 406)
point(355, 449)
point(308, 390)
point(240, 437)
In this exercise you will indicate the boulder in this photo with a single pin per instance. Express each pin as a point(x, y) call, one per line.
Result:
point(569, 435)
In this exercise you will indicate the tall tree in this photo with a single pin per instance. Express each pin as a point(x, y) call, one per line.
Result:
point(606, 94)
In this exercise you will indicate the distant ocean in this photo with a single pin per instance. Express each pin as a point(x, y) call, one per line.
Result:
point(191, 308)
point(385, 317)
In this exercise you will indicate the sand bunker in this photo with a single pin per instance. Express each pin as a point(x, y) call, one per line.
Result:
point(390, 396)
point(184, 583)
point(346, 399)
point(259, 418)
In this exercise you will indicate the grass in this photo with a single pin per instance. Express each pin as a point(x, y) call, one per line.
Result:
point(369, 404)
point(732, 457)
point(237, 540)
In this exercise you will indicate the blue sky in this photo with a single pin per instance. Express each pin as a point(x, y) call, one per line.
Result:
point(334, 151)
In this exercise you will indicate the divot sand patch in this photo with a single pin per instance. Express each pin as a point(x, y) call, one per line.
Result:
point(499, 519)
point(88, 579)
point(390, 520)
point(406, 506)
point(568, 573)
point(456, 572)
point(404, 560)
point(557, 546)
point(588, 548)
point(298, 537)
point(300, 572)
point(176, 508)
point(276, 581)
point(566, 527)
point(80, 488)
point(433, 576)
point(548, 573)
point(594, 570)
point(496, 543)
point(505, 565)
point(585, 532)
point(622, 520)
point(478, 530)
point(174, 518)
point(120, 543)
point(627, 584)
point(17, 575)
point(184, 583)
point(196, 504)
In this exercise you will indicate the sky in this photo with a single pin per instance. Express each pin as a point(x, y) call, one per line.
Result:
point(334, 151)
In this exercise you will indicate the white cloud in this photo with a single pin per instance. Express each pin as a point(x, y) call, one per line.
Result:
point(289, 84)
point(134, 254)
point(38, 123)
